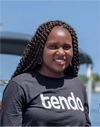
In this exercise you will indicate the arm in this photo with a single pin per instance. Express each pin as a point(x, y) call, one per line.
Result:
point(11, 112)
point(86, 110)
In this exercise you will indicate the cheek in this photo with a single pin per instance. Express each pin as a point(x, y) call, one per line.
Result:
point(48, 53)
point(47, 56)
point(69, 54)
point(69, 57)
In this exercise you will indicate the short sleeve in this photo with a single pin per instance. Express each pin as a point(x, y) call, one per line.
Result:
point(12, 105)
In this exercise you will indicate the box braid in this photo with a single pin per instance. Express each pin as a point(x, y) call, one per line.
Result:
point(34, 49)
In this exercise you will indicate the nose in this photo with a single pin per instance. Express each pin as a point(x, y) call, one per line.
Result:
point(61, 51)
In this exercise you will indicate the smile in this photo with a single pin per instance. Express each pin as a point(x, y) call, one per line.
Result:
point(60, 62)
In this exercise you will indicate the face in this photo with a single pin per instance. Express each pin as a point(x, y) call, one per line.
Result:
point(58, 52)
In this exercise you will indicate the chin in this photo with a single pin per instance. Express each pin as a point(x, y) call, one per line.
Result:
point(59, 70)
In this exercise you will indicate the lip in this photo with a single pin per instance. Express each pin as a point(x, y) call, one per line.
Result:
point(60, 61)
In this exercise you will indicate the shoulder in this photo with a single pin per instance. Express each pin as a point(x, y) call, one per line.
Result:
point(77, 80)
point(24, 79)
point(26, 83)
point(76, 83)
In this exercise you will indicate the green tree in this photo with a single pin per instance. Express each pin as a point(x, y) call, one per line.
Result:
point(83, 78)
point(95, 79)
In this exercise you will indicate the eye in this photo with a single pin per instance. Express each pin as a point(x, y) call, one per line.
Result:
point(66, 47)
point(52, 46)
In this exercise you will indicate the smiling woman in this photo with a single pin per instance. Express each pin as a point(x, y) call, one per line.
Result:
point(46, 76)
point(59, 50)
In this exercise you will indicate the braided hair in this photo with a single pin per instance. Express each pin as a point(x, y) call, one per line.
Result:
point(34, 50)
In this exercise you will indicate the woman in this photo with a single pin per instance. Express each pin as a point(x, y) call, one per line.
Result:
point(44, 89)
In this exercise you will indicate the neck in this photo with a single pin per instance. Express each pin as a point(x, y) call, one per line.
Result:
point(51, 73)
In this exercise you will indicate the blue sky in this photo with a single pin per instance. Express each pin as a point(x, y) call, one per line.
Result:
point(84, 16)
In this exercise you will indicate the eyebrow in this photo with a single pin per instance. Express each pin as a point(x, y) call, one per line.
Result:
point(52, 42)
point(57, 43)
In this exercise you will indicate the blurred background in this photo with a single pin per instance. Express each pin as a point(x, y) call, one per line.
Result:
point(24, 17)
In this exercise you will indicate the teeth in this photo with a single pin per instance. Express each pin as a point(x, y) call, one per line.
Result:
point(59, 60)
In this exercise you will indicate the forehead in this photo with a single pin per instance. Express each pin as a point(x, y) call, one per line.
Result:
point(59, 31)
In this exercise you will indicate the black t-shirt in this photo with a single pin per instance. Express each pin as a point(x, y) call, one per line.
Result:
point(32, 99)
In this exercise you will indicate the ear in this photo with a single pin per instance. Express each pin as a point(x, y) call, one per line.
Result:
point(39, 61)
